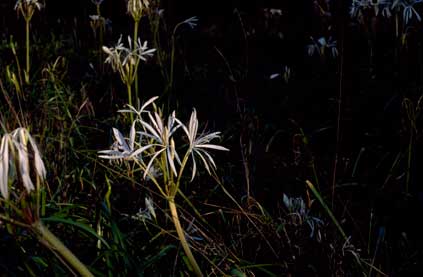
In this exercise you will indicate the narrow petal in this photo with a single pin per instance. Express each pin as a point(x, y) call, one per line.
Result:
point(120, 139)
point(39, 164)
point(206, 165)
point(212, 146)
point(4, 166)
point(171, 156)
point(24, 165)
point(132, 136)
point(142, 149)
point(149, 101)
point(152, 131)
point(151, 161)
point(209, 157)
point(194, 167)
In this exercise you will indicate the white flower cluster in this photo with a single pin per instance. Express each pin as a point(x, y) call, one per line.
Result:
point(386, 8)
point(154, 143)
point(125, 59)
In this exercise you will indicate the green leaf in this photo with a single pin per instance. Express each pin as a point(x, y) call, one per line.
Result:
point(80, 225)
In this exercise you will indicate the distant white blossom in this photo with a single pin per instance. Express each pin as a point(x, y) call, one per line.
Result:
point(125, 59)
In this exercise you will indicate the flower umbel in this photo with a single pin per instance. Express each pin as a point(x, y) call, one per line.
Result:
point(136, 8)
point(28, 7)
point(125, 60)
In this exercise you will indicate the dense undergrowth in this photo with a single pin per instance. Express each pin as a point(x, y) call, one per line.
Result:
point(112, 163)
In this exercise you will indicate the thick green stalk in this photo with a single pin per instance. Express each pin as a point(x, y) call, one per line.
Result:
point(182, 238)
point(27, 51)
point(56, 245)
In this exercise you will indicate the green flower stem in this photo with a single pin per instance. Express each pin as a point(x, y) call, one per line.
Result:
point(181, 170)
point(27, 51)
point(136, 25)
point(101, 38)
point(128, 87)
point(56, 245)
point(182, 238)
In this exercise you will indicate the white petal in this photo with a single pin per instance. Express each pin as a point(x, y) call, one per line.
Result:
point(4, 166)
point(149, 101)
point(212, 146)
point(151, 162)
point(120, 139)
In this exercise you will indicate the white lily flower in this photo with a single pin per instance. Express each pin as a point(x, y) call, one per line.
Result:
point(121, 149)
point(162, 135)
point(157, 140)
point(198, 145)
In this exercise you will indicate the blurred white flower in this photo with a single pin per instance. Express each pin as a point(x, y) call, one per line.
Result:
point(191, 22)
point(408, 9)
point(20, 4)
point(297, 208)
point(358, 6)
point(321, 45)
point(27, 7)
point(94, 17)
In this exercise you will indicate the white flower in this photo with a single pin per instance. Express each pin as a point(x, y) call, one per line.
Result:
point(94, 17)
point(198, 145)
point(26, 3)
point(321, 45)
point(297, 208)
point(121, 149)
point(156, 150)
point(408, 9)
point(124, 59)
point(191, 22)
point(15, 148)
point(161, 134)
point(136, 8)
point(27, 8)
